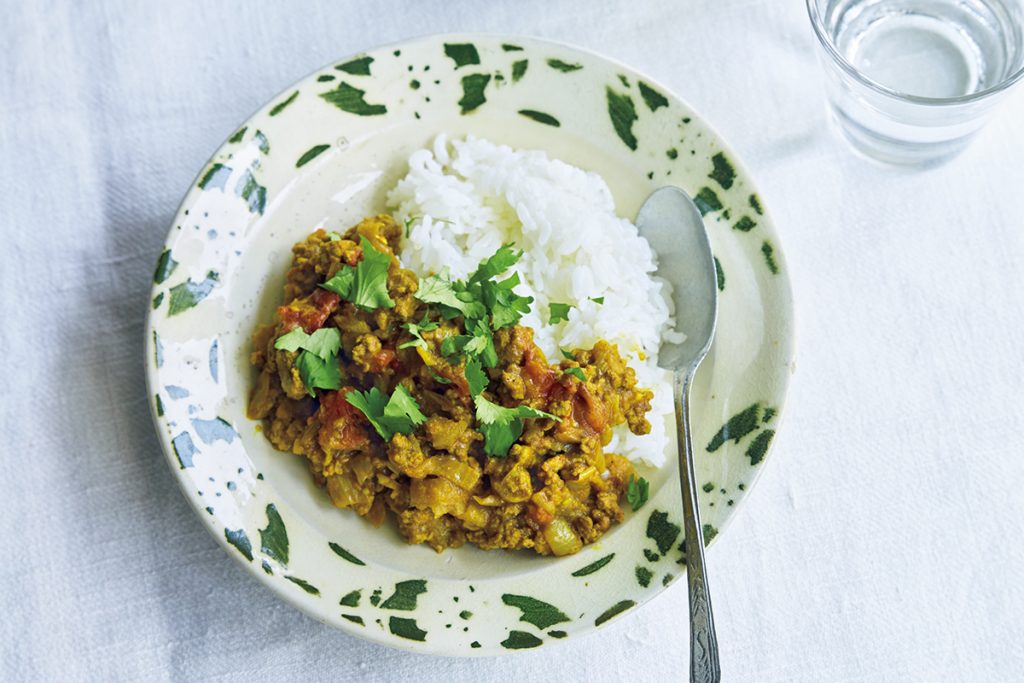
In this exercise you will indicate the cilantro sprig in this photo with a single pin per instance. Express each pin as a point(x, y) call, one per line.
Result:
point(476, 378)
point(397, 414)
point(480, 298)
point(417, 330)
point(504, 258)
point(502, 426)
point(317, 361)
point(486, 306)
point(452, 297)
point(365, 285)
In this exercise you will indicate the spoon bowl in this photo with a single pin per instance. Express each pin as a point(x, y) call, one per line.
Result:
point(672, 225)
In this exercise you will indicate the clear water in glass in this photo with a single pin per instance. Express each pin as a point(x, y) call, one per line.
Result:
point(912, 80)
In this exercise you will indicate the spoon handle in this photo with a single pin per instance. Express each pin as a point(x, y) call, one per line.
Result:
point(704, 666)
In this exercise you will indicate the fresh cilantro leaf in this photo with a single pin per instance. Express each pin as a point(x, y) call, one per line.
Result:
point(366, 285)
point(324, 343)
point(499, 437)
point(292, 341)
point(505, 305)
point(577, 373)
point(504, 258)
point(371, 285)
point(482, 344)
point(502, 426)
point(472, 307)
point(341, 283)
point(568, 355)
point(453, 346)
point(371, 404)
point(637, 492)
point(398, 414)
point(402, 413)
point(599, 300)
point(475, 376)
point(317, 372)
point(318, 362)
point(334, 236)
point(438, 289)
point(487, 411)
point(558, 312)
point(452, 297)
point(416, 329)
point(506, 316)
point(509, 282)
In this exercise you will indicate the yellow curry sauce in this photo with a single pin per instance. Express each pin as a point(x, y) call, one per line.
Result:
point(553, 488)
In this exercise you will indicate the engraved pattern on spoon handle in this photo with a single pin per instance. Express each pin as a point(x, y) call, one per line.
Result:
point(704, 665)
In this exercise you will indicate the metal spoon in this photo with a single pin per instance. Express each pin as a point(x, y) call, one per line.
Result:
point(673, 226)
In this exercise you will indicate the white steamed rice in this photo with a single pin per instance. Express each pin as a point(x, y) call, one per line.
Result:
point(466, 198)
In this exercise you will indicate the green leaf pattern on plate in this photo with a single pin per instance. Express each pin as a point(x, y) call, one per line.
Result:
point(353, 100)
point(536, 612)
point(540, 117)
point(473, 87)
point(274, 538)
point(360, 66)
point(622, 112)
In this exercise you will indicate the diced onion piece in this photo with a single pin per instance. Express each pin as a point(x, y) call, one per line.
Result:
point(543, 501)
point(562, 539)
point(377, 512)
point(515, 486)
point(440, 496)
point(475, 517)
point(489, 500)
point(580, 488)
point(457, 472)
point(362, 467)
point(345, 493)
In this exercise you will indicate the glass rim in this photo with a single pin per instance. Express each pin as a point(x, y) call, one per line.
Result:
point(826, 42)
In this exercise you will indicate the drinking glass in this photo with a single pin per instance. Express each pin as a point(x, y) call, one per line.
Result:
point(911, 81)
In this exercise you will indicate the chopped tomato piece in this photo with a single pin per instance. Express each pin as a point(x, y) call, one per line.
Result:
point(588, 411)
point(309, 311)
point(539, 515)
point(355, 256)
point(383, 359)
point(540, 378)
point(343, 426)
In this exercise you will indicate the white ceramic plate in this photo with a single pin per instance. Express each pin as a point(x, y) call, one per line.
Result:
point(322, 154)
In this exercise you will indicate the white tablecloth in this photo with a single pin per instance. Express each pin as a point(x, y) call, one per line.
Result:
point(884, 541)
